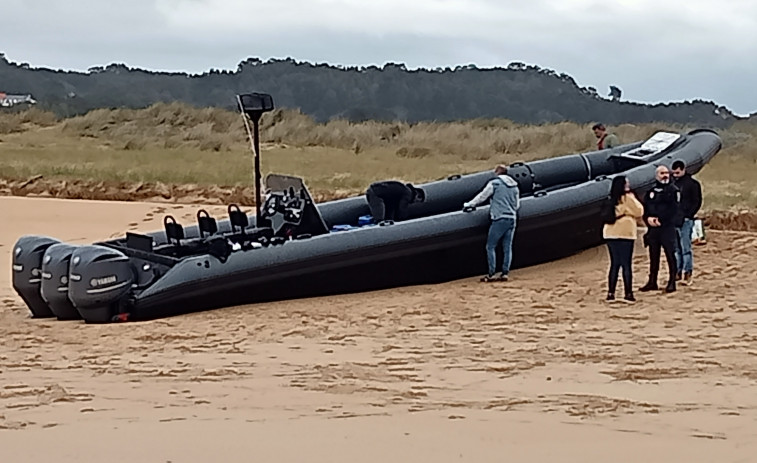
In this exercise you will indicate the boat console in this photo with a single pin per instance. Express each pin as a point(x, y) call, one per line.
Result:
point(656, 144)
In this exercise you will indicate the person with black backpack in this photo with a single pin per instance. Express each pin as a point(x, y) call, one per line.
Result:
point(619, 213)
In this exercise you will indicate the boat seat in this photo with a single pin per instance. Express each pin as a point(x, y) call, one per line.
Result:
point(210, 241)
point(241, 232)
point(237, 218)
point(206, 223)
point(177, 245)
point(174, 230)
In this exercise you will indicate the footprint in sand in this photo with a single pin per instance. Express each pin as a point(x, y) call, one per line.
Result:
point(14, 425)
point(708, 436)
point(166, 420)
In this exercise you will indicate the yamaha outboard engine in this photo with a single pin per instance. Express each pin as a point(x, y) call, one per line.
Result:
point(54, 288)
point(27, 272)
point(99, 283)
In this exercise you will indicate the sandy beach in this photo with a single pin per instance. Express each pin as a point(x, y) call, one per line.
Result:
point(540, 368)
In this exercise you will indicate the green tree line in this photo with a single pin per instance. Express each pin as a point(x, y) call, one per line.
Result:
point(522, 93)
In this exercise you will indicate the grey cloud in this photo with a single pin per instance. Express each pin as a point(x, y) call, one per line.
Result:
point(653, 50)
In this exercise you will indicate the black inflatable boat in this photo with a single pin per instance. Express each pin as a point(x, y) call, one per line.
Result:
point(302, 249)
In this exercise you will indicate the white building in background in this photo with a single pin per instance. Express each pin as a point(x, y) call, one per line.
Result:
point(8, 100)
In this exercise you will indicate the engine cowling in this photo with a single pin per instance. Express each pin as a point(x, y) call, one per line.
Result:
point(27, 272)
point(54, 288)
point(99, 282)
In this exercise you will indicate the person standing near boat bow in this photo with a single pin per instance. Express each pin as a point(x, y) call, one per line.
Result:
point(503, 213)
point(605, 140)
point(619, 232)
point(661, 214)
point(691, 202)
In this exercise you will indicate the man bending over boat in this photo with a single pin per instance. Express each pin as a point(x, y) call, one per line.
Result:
point(503, 212)
point(389, 200)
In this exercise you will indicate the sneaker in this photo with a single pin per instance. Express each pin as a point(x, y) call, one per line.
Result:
point(671, 287)
point(610, 297)
point(503, 277)
point(687, 279)
point(649, 287)
point(488, 279)
point(629, 298)
point(678, 276)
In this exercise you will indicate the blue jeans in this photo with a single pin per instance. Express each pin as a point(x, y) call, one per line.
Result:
point(684, 254)
point(500, 230)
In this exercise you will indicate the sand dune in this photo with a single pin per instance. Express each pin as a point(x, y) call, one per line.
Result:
point(537, 368)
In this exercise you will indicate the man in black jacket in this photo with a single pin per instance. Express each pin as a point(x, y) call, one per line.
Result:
point(388, 200)
point(691, 202)
point(661, 214)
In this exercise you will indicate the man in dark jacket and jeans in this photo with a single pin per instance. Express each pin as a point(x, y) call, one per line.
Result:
point(389, 200)
point(691, 202)
point(661, 214)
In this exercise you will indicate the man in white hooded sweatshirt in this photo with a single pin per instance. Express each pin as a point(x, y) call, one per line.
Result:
point(503, 212)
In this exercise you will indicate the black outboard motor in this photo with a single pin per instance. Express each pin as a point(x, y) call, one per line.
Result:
point(27, 272)
point(100, 280)
point(54, 289)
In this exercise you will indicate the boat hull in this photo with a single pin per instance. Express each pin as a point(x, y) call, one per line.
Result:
point(559, 216)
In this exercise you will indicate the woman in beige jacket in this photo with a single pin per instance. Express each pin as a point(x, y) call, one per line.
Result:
point(621, 235)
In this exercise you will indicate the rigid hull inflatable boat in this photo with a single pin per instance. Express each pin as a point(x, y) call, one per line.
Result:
point(294, 250)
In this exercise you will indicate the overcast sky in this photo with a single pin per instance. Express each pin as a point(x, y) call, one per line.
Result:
point(654, 50)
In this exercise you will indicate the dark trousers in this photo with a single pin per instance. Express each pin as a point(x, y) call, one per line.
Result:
point(386, 208)
point(662, 238)
point(621, 257)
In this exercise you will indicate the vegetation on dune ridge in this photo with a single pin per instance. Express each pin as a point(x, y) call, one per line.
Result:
point(174, 143)
point(521, 92)
point(177, 125)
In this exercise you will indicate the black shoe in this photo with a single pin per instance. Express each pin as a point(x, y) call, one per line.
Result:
point(649, 287)
point(610, 296)
point(671, 287)
point(629, 298)
point(679, 276)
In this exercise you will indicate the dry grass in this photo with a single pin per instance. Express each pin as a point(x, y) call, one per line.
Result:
point(730, 178)
point(175, 143)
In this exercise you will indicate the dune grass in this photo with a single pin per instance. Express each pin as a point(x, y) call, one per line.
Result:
point(179, 144)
